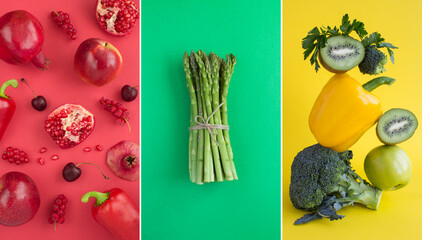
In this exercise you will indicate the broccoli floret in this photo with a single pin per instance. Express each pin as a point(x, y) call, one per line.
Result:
point(322, 181)
point(373, 62)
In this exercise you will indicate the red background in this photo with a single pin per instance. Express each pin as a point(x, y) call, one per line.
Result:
point(60, 85)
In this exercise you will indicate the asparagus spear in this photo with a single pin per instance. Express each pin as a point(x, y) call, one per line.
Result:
point(193, 135)
point(228, 71)
point(198, 167)
point(205, 101)
point(212, 73)
point(225, 160)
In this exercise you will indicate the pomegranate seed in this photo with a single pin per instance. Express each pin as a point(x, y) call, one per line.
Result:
point(87, 149)
point(43, 150)
point(55, 157)
point(41, 161)
point(99, 148)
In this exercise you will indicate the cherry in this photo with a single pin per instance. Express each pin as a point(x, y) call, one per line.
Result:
point(38, 102)
point(71, 172)
point(129, 93)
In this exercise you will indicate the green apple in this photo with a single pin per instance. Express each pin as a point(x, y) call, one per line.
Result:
point(388, 167)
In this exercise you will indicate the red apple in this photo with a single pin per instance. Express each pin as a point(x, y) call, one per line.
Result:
point(97, 61)
point(19, 199)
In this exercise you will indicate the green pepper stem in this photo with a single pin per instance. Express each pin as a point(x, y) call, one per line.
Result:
point(99, 196)
point(376, 82)
point(11, 82)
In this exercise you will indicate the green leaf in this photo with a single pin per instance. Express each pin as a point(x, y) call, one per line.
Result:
point(359, 28)
point(314, 59)
point(309, 40)
point(373, 38)
point(307, 218)
point(345, 23)
point(388, 45)
point(308, 51)
point(391, 53)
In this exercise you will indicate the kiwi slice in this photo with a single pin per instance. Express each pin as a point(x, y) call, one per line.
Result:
point(396, 125)
point(341, 53)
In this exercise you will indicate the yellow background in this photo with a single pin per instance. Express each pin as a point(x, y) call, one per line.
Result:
point(400, 22)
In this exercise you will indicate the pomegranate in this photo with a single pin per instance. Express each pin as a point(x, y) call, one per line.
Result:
point(21, 39)
point(69, 125)
point(117, 17)
point(123, 160)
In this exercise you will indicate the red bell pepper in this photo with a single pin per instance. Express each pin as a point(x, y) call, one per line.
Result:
point(116, 212)
point(7, 106)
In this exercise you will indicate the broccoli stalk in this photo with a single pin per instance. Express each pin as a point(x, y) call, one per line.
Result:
point(322, 182)
point(359, 191)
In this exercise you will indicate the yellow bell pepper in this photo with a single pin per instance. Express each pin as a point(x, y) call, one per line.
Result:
point(344, 110)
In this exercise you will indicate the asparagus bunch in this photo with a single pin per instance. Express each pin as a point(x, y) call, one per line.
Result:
point(210, 152)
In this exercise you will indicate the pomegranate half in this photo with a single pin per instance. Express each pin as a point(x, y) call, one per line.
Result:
point(117, 17)
point(69, 125)
point(21, 39)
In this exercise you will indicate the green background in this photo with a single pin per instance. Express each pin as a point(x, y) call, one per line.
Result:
point(172, 206)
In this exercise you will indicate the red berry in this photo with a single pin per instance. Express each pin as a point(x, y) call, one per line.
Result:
point(14, 155)
point(62, 19)
point(58, 210)
point(116, 108)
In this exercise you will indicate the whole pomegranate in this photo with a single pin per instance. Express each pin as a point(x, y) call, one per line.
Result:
point(19, 199)
point(69, 125)
point(21, 39)
point(117, 17)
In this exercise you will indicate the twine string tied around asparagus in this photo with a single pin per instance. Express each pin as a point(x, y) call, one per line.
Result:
point(201, 123)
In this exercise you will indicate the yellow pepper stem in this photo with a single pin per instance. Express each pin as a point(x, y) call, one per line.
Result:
point(376, 82)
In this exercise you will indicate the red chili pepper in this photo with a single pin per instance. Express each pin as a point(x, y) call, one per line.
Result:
point(7, 106)
point(116, 212)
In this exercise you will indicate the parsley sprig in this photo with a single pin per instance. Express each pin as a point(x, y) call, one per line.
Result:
point(376, 39)
point(317, 38)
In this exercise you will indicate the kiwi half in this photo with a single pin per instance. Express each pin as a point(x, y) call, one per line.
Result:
point(396, 126)
point(341, 53)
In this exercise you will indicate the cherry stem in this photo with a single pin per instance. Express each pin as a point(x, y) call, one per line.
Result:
point(95, 166)
point(54, 225)
point(127, 122)
point(24, 81)
point(137, 86)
